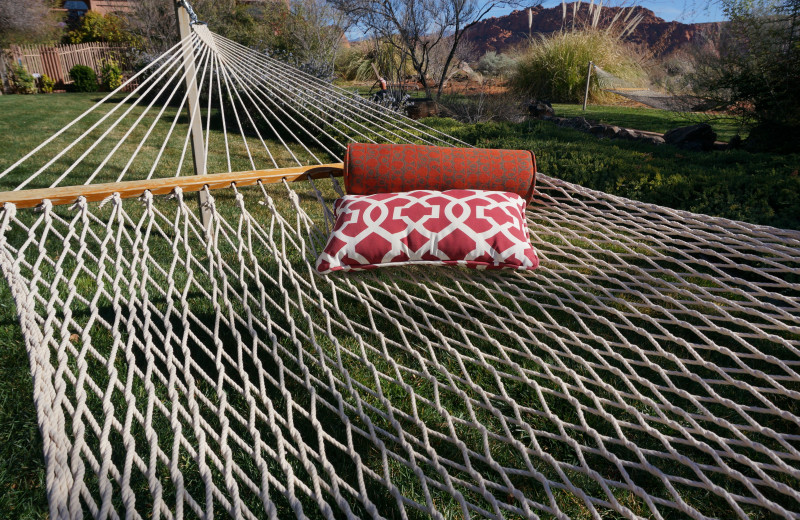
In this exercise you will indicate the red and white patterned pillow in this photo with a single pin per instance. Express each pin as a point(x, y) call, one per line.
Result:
point(474, 228)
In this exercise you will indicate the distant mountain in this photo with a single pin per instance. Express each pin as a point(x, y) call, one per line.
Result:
point(657, 35)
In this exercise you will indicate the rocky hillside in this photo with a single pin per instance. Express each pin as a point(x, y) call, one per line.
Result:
point(655, 34)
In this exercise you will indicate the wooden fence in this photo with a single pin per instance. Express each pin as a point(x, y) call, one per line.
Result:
point(56, 61)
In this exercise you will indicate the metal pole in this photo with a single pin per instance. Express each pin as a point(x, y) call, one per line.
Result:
point(2, 72)
point(193, 106)
point(588, 77)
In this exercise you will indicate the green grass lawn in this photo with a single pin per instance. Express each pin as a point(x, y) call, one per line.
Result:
point(755, 187)
point(107, 150)
point(650, 119)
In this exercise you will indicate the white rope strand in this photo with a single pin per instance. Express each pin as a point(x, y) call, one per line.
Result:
point(167, 56)
point(135, 124)
point(367, 109)
point(377, 110)
point(290, 93)
point(157, 75)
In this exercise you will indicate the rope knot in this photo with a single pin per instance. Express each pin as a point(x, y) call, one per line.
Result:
point(45, 206)
point(10, 209)
point(176, 193)
point(81, 203)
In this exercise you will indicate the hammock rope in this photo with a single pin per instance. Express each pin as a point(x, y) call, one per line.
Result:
point(649, 368)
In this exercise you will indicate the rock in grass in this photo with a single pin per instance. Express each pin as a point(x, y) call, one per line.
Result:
point(598, 130)
point(653, 139)
point(695, 137)
point(540, 109)
point(578, 123)
point(555, 119)
point(628, 134)
point(612, 131)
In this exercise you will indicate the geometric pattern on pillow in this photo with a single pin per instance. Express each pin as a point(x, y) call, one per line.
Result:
point(473, 228)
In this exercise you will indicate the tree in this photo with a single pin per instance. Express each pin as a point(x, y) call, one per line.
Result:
point(153, 21)
point(28, 21)
point(756, 71)
point(304, 32)
point(419, 29)
point(314, 32)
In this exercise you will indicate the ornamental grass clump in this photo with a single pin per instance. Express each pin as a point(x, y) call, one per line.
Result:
point(554, 67)
point(360, 62)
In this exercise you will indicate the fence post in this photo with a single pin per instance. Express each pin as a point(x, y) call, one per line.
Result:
point(193, 105)
point(588, 77)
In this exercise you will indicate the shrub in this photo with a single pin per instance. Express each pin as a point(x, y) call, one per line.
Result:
point(46, 84)
point(493, 64)
point(356, 63)
point(353, 64)
point(554, 67)
point(673, 72)
point(755, 72)
point(96, 27)
point(482, 106)
point(111, 75)
point(22, 81)
point(84, 78)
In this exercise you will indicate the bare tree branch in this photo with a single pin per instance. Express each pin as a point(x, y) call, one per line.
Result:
point(420, 27)
point(26, 21)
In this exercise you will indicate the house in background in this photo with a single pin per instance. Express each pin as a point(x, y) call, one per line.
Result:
point(78, 8)
point(56, 61)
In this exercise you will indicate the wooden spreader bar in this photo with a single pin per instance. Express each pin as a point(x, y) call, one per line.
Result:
point(130, 189)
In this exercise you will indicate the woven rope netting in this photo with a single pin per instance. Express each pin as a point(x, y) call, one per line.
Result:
point(648, 368)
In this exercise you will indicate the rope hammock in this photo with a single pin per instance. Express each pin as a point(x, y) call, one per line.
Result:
point(195, 366)
point(635, 91)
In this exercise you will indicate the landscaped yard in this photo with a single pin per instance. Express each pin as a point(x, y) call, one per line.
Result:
point(759, 188)
point(651, 119)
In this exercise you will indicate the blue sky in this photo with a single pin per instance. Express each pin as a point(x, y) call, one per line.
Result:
point(690, 11)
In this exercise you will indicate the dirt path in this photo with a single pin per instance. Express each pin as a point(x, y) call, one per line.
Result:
point(660, 100)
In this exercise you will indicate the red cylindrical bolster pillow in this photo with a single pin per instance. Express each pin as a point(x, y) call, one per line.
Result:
point(388, 168)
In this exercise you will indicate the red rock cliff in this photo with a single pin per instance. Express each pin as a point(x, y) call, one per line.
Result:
point(657, 35)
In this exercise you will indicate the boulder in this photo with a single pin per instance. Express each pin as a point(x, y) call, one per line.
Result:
point(555, 119)
point(579, 123)
point(598, 130)
point(627, 134)
point(694, 137)
point(540, 109)
point(652, 139)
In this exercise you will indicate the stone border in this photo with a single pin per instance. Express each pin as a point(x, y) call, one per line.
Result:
point(606, 131)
